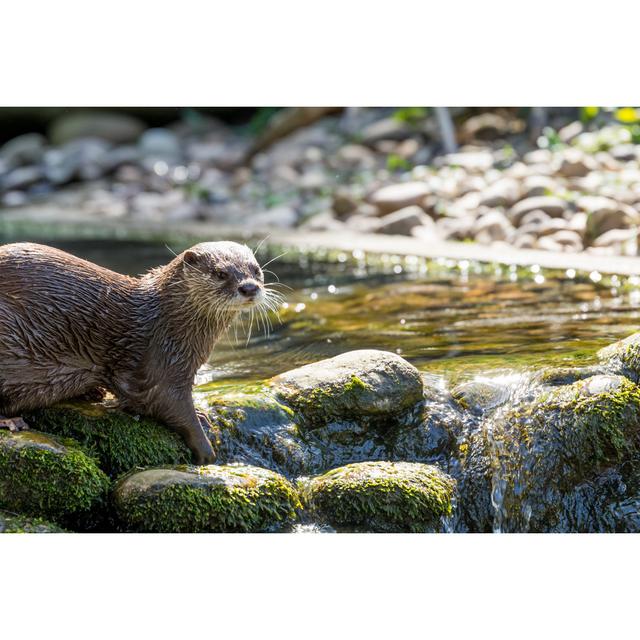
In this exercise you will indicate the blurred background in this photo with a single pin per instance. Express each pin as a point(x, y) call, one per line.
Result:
point(556, 179)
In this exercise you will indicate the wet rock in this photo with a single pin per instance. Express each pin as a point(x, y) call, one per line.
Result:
point(623, 357)
point(184, 499)
point(360, 386)
point(479, 397)
point(12, 523)
point(111, 126)
point(46, 477)
point(23, 150)
point(551, 205)
point(402, 222)
point(382, 496)
point(117, 440)
point(399, 196)
point(564, 438)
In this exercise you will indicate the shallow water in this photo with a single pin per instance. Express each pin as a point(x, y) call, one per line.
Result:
point(456, 319)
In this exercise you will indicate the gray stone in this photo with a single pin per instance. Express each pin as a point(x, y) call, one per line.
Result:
point(25, 149)
point(402, 222)
point(160, 143)
point(398, 196)
point(359, 386)
point(551, 205)
point(21, 177)
point(386, 129)
point(502, 193)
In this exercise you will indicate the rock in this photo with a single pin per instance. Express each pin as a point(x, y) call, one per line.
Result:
point(385, 129)
point(575, 164)
point(570, 131)
point(606, 214)
point(525, 241)
point(343, 204)
point(25, 149)
point(502, 193)
point(160, 143)
point(398, 196)
point(111, 126)
point(624, 241)
point(623, 357)
point(538, 157)
point(552, 225)
point(560, 376)
point(354, 156)
point(382, 496)
point(184, 499)
point(361, 386)
point(402, 222)
point(569, 240)
point(49, 478)
point(534, 186)
point(21, 177)
point(479, 397)
point(485, 126)
point(551, 205)
point(118, 441)
point(624, 152)
point(11, 523)
point(492, 226)
point(558, 442)
point(281, 217)
point(536, 217)
point(472, 161)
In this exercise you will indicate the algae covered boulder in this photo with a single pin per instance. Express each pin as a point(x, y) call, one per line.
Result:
point(46, 477)
point(183, 499)
point(119, 441)
point(623, 357)
point(12, 523)
point(365, 386)
point(381, 496)
point(544, 450)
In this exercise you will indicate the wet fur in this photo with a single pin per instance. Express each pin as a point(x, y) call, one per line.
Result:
point(68, 326)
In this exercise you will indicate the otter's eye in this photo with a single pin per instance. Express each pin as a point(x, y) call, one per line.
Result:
point(220, 275)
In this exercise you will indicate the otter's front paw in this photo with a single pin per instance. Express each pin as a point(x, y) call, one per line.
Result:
point(205, 457)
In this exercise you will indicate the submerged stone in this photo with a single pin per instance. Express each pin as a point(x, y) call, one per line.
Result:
point(183, 499)
point(119, 441)
point(12, 523)
point(46, 477)
point(359, 386)
point(381, 496)
point(559, 376)
point(623, 357)
point(545, 449)
point(478, 397)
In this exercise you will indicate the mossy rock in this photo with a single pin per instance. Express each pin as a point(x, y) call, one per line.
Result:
point(12, 523)
point(479, 397)
point(559, 376)
point(623, 357)
point(118, 441)
point(183, 499)
point(366, 386)
point(48, 477)
point(569, 435)
point(381, 496)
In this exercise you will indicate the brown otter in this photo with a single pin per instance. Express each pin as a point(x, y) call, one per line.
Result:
point(68, 326)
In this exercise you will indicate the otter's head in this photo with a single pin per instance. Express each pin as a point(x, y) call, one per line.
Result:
point(225, 274)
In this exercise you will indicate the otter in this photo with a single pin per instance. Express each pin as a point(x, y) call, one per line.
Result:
point(69, 327)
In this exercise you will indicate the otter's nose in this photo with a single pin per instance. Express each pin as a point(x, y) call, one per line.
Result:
point(248, 289)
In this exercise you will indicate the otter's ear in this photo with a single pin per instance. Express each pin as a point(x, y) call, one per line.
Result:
point(190, 257)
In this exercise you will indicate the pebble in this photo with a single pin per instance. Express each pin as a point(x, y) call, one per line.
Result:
point(398, 196)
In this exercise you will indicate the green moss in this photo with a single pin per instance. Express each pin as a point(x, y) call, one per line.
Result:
point(230, 498)
point(117, 440)
point(46, 477)
point(381, 496)
point(13, 523)
point(623, 357)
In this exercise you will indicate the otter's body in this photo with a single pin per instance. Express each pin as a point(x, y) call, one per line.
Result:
point(68, 326)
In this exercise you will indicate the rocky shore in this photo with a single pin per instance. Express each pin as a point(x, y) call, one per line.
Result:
point(359, 442)
point(577, 188)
